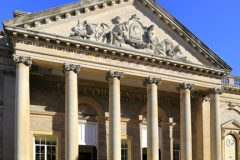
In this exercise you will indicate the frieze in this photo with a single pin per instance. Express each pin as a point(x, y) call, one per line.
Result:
point(131, 33)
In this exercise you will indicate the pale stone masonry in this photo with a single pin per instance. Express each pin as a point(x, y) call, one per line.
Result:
point(111, 80)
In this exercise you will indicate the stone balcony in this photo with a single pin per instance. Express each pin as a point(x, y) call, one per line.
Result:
point(231, 84)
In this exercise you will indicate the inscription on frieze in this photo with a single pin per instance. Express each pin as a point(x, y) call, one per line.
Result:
point(125, 95)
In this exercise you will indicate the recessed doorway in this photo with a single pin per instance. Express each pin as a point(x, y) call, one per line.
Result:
point(87, 152)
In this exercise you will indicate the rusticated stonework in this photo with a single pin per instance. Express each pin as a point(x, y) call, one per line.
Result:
point(71, 67)
point(114, 74)
point(186, 86)
point(21, 59)
point(217, 90)
point(131, 33)
point(151, 80)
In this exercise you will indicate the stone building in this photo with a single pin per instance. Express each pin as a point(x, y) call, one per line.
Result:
point(113, 80)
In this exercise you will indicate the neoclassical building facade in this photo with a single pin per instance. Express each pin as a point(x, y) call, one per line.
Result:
point(113, 80)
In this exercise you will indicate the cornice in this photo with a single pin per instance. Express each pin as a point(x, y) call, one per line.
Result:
point(231, 89)
point(57, 14)
point(81, 46)
point(176, 27)
point(64, 12)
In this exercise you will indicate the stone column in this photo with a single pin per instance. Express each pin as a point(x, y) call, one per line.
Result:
point(201, 126)
point(215, 129)
point(185, 121)
point(152, 118)
point(22, 108)
point(71, 111)
point(114, 145)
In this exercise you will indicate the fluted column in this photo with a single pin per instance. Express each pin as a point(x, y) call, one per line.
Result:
point(114, 145)
point(71, 111)
point(152, 118)
point(215, 129)
point(22, 108)
point(185, 121)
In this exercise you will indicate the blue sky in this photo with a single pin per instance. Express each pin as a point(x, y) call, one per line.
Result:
point(215, 22)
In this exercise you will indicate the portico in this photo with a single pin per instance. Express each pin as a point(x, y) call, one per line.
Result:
point(92, 84)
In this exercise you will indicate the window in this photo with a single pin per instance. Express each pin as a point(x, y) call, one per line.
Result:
point(125, 146)
point(176, 151)
point(45, 147)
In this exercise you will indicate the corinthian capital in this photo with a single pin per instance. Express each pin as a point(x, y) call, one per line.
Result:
point(151, 80)
point(114, 74)
point(217, 90)
point(71, 67)
point(186, 86)
point(21, 59)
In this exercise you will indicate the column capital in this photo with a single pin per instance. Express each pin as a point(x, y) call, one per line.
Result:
point(217, 90)
point(151, 80)
point(186, 86)
point(71, 67)
point(21, 59)
point(114, 74)
point(204, 95)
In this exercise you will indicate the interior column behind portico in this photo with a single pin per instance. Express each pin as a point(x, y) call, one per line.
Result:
point(185, 121)
point(71, 111)
point(22, 108)
point(114, 147)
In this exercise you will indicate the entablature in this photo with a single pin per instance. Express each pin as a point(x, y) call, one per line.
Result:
point(82, 46)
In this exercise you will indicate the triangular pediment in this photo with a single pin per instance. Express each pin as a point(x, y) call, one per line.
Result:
point(231, 125)
point(144, 27)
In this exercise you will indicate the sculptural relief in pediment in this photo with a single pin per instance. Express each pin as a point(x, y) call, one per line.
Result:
point(128, 34)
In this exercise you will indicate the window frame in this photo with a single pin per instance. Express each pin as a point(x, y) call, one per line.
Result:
point(56, 134)
point(176, 141)
point(129, 140)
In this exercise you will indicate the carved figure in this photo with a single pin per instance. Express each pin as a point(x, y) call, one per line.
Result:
point(91, 30)
point(154, 44)
point(102, 33)
point(119, 33)
point(79, 31)
point(130, 33)
point(84, 30)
